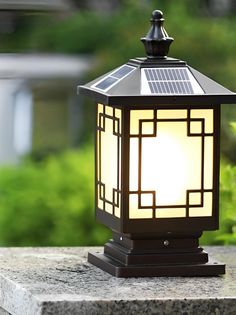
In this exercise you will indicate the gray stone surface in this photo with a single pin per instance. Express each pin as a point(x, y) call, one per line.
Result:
point(59, 281)
point(3, 312)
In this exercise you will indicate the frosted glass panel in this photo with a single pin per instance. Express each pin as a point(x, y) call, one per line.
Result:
point(135, 116)
point(205, 210)
point(207, 115)
point(136, 213)
point(208, 163)
point(109, 159)
point(171, 213)
point(171, 163)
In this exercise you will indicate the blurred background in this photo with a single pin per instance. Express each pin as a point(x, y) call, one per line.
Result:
point(47, 48)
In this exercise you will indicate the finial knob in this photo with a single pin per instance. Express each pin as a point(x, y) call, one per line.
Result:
point(157, 42)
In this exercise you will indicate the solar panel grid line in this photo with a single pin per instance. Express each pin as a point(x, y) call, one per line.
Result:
point(179, 87)
point(175, 87)
point(161, 87)
point(171, 88)
point(157, 87)
point(152, 88)
point(166, 72)
point(182, 88)
point(147, 75)
point(175, 75)
point(154, 75)
point(188, 90)
point(190, 87)
point(167, 88)
point(183, 75)
point(162, 75)
point(179, 74)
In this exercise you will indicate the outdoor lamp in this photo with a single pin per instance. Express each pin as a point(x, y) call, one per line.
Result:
point(157, 162)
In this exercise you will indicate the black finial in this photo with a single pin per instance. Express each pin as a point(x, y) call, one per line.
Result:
point(157, 41)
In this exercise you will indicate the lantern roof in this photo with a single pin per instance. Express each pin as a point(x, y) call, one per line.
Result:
point(156, 79)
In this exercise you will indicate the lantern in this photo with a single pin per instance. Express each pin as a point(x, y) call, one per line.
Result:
point(157, 162)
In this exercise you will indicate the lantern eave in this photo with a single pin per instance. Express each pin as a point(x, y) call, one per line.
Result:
point(128, 90)
point(145, 100)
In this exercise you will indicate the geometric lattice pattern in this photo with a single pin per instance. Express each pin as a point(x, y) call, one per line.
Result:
point(108, 177)
point(171, 163)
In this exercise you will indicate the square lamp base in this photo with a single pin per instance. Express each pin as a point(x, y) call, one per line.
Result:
point(118, 269)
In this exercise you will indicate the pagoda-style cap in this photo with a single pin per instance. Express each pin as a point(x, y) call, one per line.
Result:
point(156, 79)
point(157, 41)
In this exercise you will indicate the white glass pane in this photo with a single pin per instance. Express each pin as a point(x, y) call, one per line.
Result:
point(135, 116)
point(204, 211)
point(207, 114)
point(134, 212)
point(108, 158)
point(171, 213)
point(171, 163)
point(208, 163)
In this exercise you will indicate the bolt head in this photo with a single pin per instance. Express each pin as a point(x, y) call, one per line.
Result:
point(166, 242)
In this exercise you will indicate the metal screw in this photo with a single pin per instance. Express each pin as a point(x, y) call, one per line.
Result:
point(166, 243)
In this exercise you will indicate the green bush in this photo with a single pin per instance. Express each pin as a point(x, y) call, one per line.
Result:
point(227, 231)
point(50, 202)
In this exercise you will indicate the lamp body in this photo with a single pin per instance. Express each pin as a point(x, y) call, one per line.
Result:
point(157, 188)
point(157, 169)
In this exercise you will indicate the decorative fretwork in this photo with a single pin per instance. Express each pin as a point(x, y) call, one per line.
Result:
point(199, 126)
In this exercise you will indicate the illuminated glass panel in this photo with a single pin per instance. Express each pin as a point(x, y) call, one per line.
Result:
point(109, 159)
point(171, 163)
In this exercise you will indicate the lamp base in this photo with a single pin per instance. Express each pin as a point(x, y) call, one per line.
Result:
point(117, 269)
point(125, 257)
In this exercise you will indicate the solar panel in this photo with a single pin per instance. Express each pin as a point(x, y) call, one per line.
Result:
point(113, 78)
point(169, 81)
point(123, 71)
point(104, 84)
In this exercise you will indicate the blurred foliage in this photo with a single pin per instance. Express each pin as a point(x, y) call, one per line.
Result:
point(227, 231)
point(50, 202)
point(114, 38)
